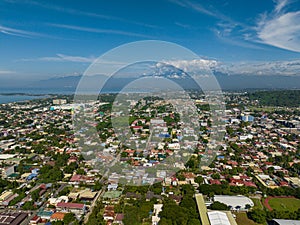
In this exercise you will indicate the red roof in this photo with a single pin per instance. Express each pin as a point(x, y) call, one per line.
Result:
point(215, 182)
point(70, 205)
point(249, 184)
point(119, 217)
point(232, 163)
point(189, 175)
point(236, 181)
point(109, 213)
point(75, 177)
point(129, 151)
point(35, 218)
point(283, 183)
point(109, 208)
point(136, 127)
point(73, 157)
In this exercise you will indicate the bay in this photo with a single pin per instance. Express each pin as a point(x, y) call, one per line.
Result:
point(17, 98)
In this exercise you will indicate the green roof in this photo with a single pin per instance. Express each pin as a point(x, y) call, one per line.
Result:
point(13, 175)
point(202, 209)
point(13, 160)
point(27, 167)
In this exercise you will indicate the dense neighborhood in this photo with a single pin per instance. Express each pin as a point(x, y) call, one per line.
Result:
point(52, 173)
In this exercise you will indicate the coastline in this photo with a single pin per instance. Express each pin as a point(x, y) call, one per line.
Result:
point(10, 98)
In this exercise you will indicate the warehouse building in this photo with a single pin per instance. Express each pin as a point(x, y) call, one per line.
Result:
point(284, 222)
point(237, 202)
point(13, 218)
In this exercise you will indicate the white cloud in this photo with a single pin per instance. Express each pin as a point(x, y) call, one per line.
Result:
point(225, 36)
point(284, 68)
point(279, 28)
point(62, 58)
point(24, 33)
point(79, 12)
point(101, 31)
point(227, 29)
point(281, 4)
point(7, 72)
point(193, 65)
point(17, 32)
point(265, 68)
point(198, 7)
point(182, 25)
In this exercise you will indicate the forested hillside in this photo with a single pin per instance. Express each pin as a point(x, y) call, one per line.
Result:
point(290, 98)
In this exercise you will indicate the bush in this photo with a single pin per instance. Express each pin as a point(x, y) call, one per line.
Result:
point(258, 215)
point(219, 206)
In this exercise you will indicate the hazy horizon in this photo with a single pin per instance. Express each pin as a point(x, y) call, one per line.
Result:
point(251, 40)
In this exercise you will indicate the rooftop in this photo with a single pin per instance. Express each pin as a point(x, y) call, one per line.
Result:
point(58, 216)
point(218, 218)
point(234, 201)
point(12, 218)
point(70, 205)
point(286, 222)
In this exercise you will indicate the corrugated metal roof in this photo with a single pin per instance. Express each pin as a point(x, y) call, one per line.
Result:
point(218, 218)
point(234, 201)
point(287, 222)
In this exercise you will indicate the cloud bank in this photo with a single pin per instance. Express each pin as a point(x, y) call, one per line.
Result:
point(266, 68)
point(280, 28)
point(62, 58)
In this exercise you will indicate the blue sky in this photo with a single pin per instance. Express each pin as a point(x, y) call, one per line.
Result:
point(42, 39)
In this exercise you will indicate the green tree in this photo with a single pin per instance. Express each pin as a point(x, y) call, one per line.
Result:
point(69, 217)
point(218, 206)
point(81, 171)
point(258, 215)
point(29, 205)
point(194, 222)
point(35, 194)
point(71, 167)
point(199, 179)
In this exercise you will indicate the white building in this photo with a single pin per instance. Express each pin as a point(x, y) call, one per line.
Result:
point(238, 202)
point(218, 218)
point(285, 222)
point(156, 211)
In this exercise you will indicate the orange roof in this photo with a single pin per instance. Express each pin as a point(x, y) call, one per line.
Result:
point(58, 216)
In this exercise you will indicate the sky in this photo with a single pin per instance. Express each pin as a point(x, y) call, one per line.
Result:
point(45, 39)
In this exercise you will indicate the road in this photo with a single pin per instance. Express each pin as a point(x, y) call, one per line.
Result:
point(98, 196)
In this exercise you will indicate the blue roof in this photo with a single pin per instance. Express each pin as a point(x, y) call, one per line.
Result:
point(31, 176)
point(45, 213)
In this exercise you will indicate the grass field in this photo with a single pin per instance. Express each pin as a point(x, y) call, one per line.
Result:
point(257, 203)
point(242, 219)
point(264, 108)
point(290, 204)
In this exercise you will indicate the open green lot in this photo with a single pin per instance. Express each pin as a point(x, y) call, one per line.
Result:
point(257, 203)
point(242, 219)
point(284, 204)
